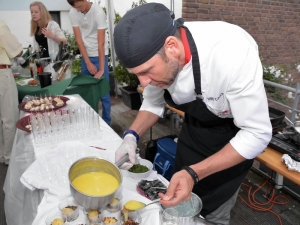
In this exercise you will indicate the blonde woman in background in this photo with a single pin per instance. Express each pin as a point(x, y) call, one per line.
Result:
point(45, 31)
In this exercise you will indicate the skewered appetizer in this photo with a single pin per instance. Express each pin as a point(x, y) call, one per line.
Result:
point(41, 104)
point(58, 101)
point(28, 127)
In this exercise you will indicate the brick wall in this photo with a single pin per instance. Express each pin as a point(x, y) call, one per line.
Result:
point(275, 25)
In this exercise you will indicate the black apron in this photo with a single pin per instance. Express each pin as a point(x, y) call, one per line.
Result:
point(202, 135)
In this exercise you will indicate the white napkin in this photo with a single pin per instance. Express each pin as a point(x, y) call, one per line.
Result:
point(33, 179)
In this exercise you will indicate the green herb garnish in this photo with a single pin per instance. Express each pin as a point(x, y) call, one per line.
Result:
point(138, 168)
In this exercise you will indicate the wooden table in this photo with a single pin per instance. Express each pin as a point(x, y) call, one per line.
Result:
point(180, 113)
point(272, 159)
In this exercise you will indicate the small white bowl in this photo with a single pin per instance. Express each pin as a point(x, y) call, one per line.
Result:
point(143, 162)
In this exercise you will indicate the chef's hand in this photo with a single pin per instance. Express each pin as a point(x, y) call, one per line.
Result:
point(99, 74)
point(180, 189)
point(128, 146)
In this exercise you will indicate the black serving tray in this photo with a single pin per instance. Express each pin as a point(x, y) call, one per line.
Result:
point(276, 116)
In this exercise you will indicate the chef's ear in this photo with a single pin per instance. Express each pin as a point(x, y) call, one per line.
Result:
point(171, 44)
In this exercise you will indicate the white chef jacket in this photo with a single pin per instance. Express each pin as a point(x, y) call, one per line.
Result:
point(231, 83)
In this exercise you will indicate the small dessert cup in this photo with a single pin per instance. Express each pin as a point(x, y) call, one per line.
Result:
point(115, 204)
point(112, 218)
point(55, 219)
point(93, 216)
point(132, 216)
point(69, 209)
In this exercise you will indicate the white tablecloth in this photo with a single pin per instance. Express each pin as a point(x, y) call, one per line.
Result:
point(31, 201)
point(28, 205)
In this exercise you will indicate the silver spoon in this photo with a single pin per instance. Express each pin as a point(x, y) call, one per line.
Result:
point(141, 205)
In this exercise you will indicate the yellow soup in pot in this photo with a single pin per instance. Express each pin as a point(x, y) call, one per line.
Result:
point(96, 183)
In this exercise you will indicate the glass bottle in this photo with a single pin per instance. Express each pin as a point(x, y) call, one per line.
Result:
point(39, 66)
point(63, 69)
point(33, 68)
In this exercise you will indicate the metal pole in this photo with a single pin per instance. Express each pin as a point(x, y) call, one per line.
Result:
point(172, 5)
point(111, 35)
point(296, 102)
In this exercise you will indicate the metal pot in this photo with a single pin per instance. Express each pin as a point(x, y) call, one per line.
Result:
point(185, 212)
point(92, 164)
point(276, 116)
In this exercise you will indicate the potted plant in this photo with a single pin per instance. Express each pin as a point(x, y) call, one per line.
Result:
point(131, 97)
point(76, 61)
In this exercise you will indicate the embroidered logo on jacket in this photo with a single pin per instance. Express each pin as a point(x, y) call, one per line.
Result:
point(215, 99)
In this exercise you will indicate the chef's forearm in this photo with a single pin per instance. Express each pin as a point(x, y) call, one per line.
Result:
point(143, 122)
point(224, 159)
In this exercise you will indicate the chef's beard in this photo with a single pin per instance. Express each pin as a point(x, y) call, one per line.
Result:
point(172, 70)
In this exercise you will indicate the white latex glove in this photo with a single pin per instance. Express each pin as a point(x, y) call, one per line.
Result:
point(128, 146)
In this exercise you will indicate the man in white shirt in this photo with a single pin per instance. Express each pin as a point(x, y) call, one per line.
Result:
point(89, 26)
point(212, 72)
point(9, 112)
